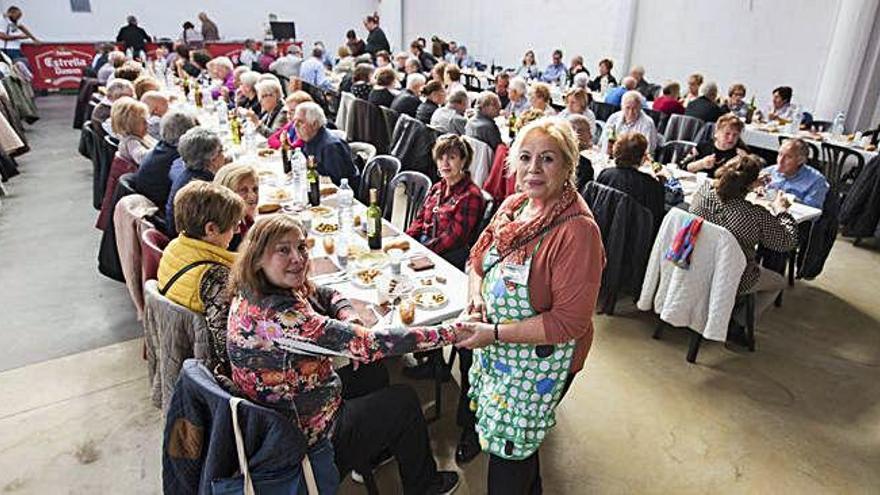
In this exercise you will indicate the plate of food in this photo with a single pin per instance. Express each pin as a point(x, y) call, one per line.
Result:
point(279, 195)
point(266, 208)
point(327, 190)
point(366, 278)
point(429, 298)
point(263, 153)
point(325, 228)
point(321, 211)
point(393, 286)
point(371, 259)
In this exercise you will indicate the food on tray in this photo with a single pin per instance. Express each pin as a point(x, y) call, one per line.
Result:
point(326, 228)
point(401, 244)
point(321, 211)
point(267, 208)
point(367, 276)
point(429, 297)
point(327, 190)
point(279, 195)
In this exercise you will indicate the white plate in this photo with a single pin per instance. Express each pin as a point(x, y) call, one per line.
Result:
point(318, 232)
point(357, 281)
point(372, 259)
point(423, 297)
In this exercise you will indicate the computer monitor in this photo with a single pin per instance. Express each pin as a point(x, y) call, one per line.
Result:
point(283, 30)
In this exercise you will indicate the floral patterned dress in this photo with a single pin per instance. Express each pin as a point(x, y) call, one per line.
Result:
point(307, 386)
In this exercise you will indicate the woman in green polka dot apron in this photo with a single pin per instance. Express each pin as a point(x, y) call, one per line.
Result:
point(515, 387)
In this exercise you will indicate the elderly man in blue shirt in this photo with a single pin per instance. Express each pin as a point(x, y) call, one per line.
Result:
point(792, 175)
point(332, 154)
point(556, 71)
point(312, 70)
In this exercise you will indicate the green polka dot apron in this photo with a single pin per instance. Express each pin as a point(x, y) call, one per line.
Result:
point(515, 387)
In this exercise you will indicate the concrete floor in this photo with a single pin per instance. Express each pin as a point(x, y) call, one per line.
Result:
point(801, 415)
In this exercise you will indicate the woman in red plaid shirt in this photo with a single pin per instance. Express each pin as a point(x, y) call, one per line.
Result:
point(447, 220)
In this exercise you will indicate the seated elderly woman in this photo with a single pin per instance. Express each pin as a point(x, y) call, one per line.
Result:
point(221, 70)
point(668, 101)
point(577, 102)
point(450, 117)
point(604, 79)
point(290, 103)
point(201, 156)
point(529, 68)
point(383, 91)
point(630, 152)
point(723, 202)
point(435, 96)
point(482, 125)
point(583, 129)
point(630, 118)
point(694, 81)
point(268, 54)
point(195, 265)
point(157, 103)
point(114, 60)
point(115, 90)
point(143, 84)
point(331, 153)
point(539, 98)
point(448, 218)
point(152, 178)
point(241, 179)
point(452, 79)
point(273, 115)
point(531, 301)
point(271, 291)
point(709, 156)
point(128, 118)
point(780, 106)
point(246, 94)
point(519, 102)
point(705, 107)
point(736, 101)
point(360, 81)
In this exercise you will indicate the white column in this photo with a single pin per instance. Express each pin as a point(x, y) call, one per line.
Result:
point(846, 52)
point(626, 30)
point(391, 20)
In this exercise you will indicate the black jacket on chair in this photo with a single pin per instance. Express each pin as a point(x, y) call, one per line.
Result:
point(860, 212)
point(412, 144)
point(627, 233)
point(406, 102)
point(367, 125)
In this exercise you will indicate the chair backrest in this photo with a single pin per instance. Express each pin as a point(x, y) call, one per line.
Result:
point(664, 121)
point(366, 123)
point(377, 174)
point(815, 158)
point(153, 243)
point(346, 99)
point(600, 127)
point(415, 186)
point(874, 134)
point(127, 184)
point(472, 82)
point(112, 142)
point(482, 160)
point(339, 133)
point(682, 128)
point(489, 206)
point(390, 117)
point(603, 110)
point(361, 153)
point(706, 133)
point(655, 116)
point(841, 165)
point(674, 151)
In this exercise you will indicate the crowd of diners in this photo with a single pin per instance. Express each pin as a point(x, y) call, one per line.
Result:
point(534, 272)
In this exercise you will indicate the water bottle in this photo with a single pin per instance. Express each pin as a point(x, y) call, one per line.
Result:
point(837, 127)
point(797, 116)
point(250, 143)
point(298, 174)
point(344, 200)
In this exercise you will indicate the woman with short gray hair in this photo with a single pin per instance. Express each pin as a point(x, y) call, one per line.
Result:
point(273, 115)
point(201, 156)
point(152, 176)
point(246, 94)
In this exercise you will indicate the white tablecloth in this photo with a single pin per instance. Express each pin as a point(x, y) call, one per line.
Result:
point(758, 138)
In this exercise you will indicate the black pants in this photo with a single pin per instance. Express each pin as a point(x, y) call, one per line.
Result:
point(389, 420)
point(367, 379)
point(464, 417)
point(522, 477)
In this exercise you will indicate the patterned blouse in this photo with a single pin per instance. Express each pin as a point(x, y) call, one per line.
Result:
point(212, 290)
point(448, 216)
point(751, 224)
point(307, 387)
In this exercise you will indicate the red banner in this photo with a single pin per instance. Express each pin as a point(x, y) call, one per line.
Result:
point(61, 65)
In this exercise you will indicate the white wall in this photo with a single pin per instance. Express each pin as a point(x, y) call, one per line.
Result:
point(328, 20)
point(761, 43)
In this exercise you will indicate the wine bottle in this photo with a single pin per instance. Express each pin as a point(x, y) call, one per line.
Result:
point(314, 185)
point(612, 137)
point(198, 96)
point(285, 153)
point(374, 222)
point(235, 129)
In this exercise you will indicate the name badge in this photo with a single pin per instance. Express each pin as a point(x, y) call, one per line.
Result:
point(518, 274)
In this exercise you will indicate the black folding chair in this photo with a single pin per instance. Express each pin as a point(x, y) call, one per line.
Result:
point(377, 174)
point(841, 166)
point(416, 186)
point(674, 151)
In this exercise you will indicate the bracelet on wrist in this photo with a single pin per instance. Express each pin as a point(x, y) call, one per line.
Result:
point(497, 336)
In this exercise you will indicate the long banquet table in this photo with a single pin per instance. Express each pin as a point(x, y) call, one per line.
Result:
point(759, 136)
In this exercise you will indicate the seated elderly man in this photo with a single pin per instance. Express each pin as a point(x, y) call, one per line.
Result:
point(288, 65)
point(332, 154)
point(407, 101)
point(642, 86)
point(519, 101)
point(312, 70)
point(581, 80)
point(482, 125)
point(615, 95)
point(201, 156)
point(116, 90)
point(114, 61)
point(157, 103)
point(152, 178)
point(792, 175)
point(630, 118)
point(221, 69)
point(583, 129)
point(462, 59)
point(556, 71)
point(450, 117)
point(705, 107)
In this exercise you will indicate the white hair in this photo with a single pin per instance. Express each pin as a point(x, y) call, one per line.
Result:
point(312, 113)
point(629, 82)
point(631, 95)
point(249, 78)
point(485, 99)
point(119, 88)
point(581, 79)
point(415, 80)
point(222, 62)
point(708, 89)
point(269, 86)
point(519, 84)
point(458, 96)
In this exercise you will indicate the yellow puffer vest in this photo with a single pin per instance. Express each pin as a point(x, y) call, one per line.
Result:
point(181, 252)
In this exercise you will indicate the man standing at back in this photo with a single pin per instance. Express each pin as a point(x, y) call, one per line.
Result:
point(209, 28)
point(134, 38)
point(14, 32)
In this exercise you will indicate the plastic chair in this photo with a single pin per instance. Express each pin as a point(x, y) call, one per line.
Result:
point(377, 174)
point(153, 243)
point(706, 133)
point(815, 158)
point(600, 127)
point(94, 146)
point(655, 116)
point(416, 186)
point(603, 110)
point(674, 151)
point(682, 128)
point(839, 175)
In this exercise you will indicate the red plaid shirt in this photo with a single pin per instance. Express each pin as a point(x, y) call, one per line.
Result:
point(449, 216)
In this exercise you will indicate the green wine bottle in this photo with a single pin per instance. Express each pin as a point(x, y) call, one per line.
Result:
point(374, 222)
point(314, 186)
